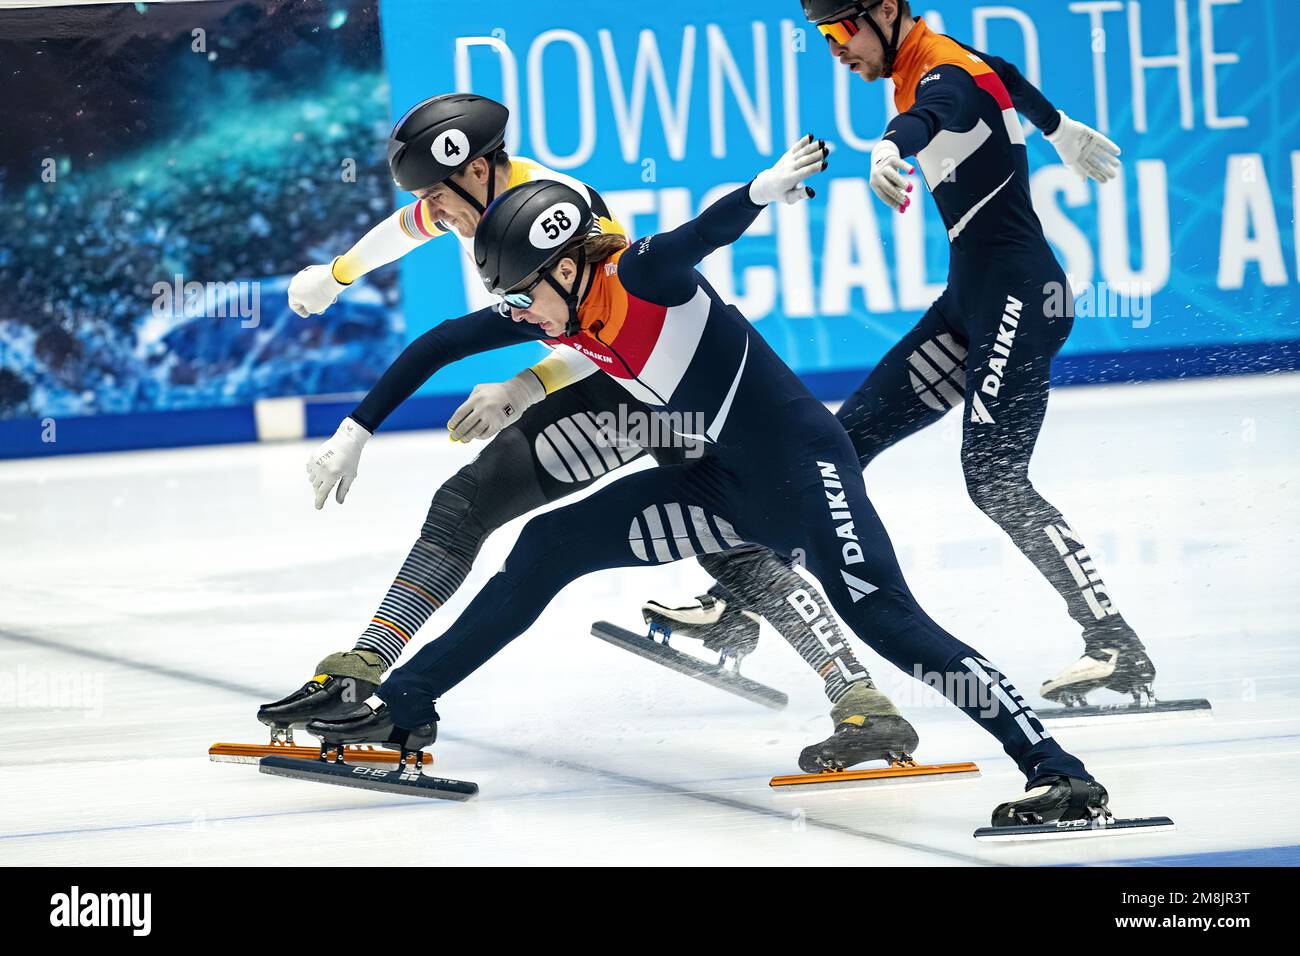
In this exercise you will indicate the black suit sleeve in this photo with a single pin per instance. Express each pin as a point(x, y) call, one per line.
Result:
point(661, 268)
point(445, 343)
point(1028, 99)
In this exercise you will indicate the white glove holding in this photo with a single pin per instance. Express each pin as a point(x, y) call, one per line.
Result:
point(493, 406)
point(784, 181)
point(1085, 151)
point(314, 289)
point(335, 462)
point(889, 176)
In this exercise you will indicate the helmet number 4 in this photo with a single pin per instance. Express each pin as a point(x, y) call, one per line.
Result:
point(554, 226)
point(450, 148)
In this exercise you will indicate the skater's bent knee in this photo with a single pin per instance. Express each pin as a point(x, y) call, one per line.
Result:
point(998, 494)
point(453, 518)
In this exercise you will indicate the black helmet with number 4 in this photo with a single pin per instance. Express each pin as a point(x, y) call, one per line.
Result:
point(440, 136)
point(523, 234)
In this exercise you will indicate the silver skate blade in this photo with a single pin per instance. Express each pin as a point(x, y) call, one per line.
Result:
point(230, 758)
point(408, 780)
point(1093, 715)
point(1075, 830)
point(675, 660)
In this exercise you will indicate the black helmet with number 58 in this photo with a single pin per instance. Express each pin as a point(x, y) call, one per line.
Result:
point(524, 234)
point(440, 136)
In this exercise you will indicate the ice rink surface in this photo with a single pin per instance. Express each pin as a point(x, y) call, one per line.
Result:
point(150, 601)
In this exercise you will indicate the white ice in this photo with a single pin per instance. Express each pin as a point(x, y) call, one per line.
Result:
point(150, 601)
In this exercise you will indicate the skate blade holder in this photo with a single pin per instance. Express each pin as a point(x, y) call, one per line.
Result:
point(896, 773)
point(1095, 715)
point(252, 753)
point(405, 778)
point(1076, 829)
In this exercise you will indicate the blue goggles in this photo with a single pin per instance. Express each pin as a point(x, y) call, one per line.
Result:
point(523, 298)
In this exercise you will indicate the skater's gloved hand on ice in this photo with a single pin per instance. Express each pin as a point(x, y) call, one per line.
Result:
point(1085, 151)
point(493, 406)
point(335, 462)
point(314, 289)
point(889, 175)
point(784, 181)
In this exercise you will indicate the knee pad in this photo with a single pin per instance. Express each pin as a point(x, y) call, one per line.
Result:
point(453, 523)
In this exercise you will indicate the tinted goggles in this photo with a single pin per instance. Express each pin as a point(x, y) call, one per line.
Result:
point(839, 30)
point(523, 298)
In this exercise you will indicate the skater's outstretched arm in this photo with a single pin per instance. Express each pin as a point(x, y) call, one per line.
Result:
point(445, 343)
point(333, 465)
point(1083, 149)
point(402, 232)
point(315, 288)
point(1026, 97)
point(661, 268)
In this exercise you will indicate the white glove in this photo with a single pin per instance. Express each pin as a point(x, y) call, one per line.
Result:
point(493, 406)
point(784, 181)
point(1085, 151)
point(887, 176)
point(314, 289)
point(336, 461)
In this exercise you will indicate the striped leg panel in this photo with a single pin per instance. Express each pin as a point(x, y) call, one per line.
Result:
point(429, 576)
point(575, 448)
point(938, 372)
point(669, 532)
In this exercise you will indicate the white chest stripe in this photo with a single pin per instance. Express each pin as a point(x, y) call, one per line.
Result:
point(957, 230)
point(1015, 132)
point(716, 428)
point(678, 340)
point(719, 420)
point(948, 150)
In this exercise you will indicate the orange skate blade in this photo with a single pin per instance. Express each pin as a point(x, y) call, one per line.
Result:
point(894, 773)
point(252, 753)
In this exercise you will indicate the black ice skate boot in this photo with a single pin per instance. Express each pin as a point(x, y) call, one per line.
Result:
point(374, 726)
point(343, 741)
point(723, 626)
point(1056, 807)
point(342, 683)
point(867, 727)
point(1055, 800)
point(1121, 666)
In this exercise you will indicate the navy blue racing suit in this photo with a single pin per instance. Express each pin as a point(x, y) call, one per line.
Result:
point(778, 470)
point(987, 344)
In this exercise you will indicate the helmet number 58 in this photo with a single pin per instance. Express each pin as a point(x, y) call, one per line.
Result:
point(554, 226)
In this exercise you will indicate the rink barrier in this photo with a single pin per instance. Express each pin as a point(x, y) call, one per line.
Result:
point(283, 419)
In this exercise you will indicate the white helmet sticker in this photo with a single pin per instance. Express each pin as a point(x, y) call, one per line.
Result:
point(554, 226)
point(451, 148)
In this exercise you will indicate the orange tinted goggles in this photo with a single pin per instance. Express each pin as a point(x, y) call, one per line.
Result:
point(839, 30)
